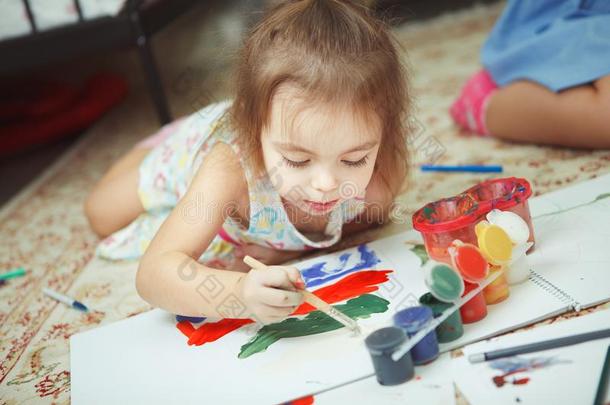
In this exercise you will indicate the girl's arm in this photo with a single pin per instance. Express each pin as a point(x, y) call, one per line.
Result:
point(168, 275)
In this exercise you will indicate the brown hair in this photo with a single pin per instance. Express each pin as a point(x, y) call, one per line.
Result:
point(336, 51)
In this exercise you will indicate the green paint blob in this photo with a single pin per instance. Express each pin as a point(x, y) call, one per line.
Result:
point(315, 322)
point(420, 251)
point(445, 283)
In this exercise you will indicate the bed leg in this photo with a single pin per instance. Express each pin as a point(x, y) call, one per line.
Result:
point(150, 68)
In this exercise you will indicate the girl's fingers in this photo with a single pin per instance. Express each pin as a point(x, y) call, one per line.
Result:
point(276, 277)
point(281, 298)
point(295, 277)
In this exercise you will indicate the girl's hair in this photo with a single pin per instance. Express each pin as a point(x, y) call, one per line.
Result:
point(335, 51)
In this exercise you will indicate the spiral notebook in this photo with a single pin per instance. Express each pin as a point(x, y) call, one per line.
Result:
point(570, 265)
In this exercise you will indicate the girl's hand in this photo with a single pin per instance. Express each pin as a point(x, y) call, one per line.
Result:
point(271, 294)
point(266, 255)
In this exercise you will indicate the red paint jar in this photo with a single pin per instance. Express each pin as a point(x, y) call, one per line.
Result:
point(476, 308)
point(443, 221)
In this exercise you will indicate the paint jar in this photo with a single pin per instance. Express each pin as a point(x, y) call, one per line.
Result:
point(494, 243)
point(468, 260)
point(514, 226)
point(475, 309)
point(412, 320)
point(519, 268)
point(507, 194)
point(451, 328)
point(381, 344)
point(443, 282)
point(443, 221)
point(498, 290)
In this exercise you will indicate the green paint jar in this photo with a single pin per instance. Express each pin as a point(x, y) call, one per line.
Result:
point(443, 282)
point(451, 328)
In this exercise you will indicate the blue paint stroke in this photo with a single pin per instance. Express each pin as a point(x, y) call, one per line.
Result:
point(510, 364)
point(318, 273)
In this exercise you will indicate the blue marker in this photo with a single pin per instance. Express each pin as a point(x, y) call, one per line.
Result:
point(66, 300)
point(465, 168)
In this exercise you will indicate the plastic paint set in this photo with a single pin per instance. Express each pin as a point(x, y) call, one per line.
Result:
point(477, 242)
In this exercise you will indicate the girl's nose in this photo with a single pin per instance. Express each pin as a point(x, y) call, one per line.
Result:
point(324, 181)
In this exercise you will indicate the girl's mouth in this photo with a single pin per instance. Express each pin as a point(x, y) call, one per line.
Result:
point(320, 206)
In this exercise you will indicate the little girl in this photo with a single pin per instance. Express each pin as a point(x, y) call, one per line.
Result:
point(546, 77)
point(312, 147)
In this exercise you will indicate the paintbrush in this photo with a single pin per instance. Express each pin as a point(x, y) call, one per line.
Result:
point(314, 301)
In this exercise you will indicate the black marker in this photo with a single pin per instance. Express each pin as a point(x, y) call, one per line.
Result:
point(539, 346)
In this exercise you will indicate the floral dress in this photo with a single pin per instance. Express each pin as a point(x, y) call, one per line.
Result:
point(165, 175)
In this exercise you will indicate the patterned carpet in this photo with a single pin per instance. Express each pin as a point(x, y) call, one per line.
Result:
point(43, 229)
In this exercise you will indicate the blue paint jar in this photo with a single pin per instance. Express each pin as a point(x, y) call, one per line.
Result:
point(412, 320)
point(381, 345)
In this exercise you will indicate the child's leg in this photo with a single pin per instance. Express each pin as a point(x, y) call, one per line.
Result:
point(527, 112)
point(114, 202)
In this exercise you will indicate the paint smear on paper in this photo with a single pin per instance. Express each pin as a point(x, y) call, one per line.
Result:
point(349, 287)
point(210, 332)
point(314, 323)
point(514, 365)
point(302, 401)
point(318, 273)
point(420, 251)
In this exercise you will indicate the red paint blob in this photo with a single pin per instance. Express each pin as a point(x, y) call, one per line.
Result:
point(209, 332)
point(186, 328)
point(521, 381)
point(501, 380)
point(348, 287)
point(303, 401)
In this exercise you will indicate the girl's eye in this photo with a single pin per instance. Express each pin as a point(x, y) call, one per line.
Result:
point(292, 163)
point(304, 163)
point(358, 163)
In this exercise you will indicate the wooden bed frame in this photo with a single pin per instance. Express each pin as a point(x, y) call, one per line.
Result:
point(134, 25)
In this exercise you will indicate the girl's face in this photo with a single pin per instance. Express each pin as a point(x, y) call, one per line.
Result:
point(318, 156)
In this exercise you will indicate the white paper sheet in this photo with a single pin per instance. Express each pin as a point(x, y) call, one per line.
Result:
point(570, 378)
point(432, 385)
point(145, 358)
